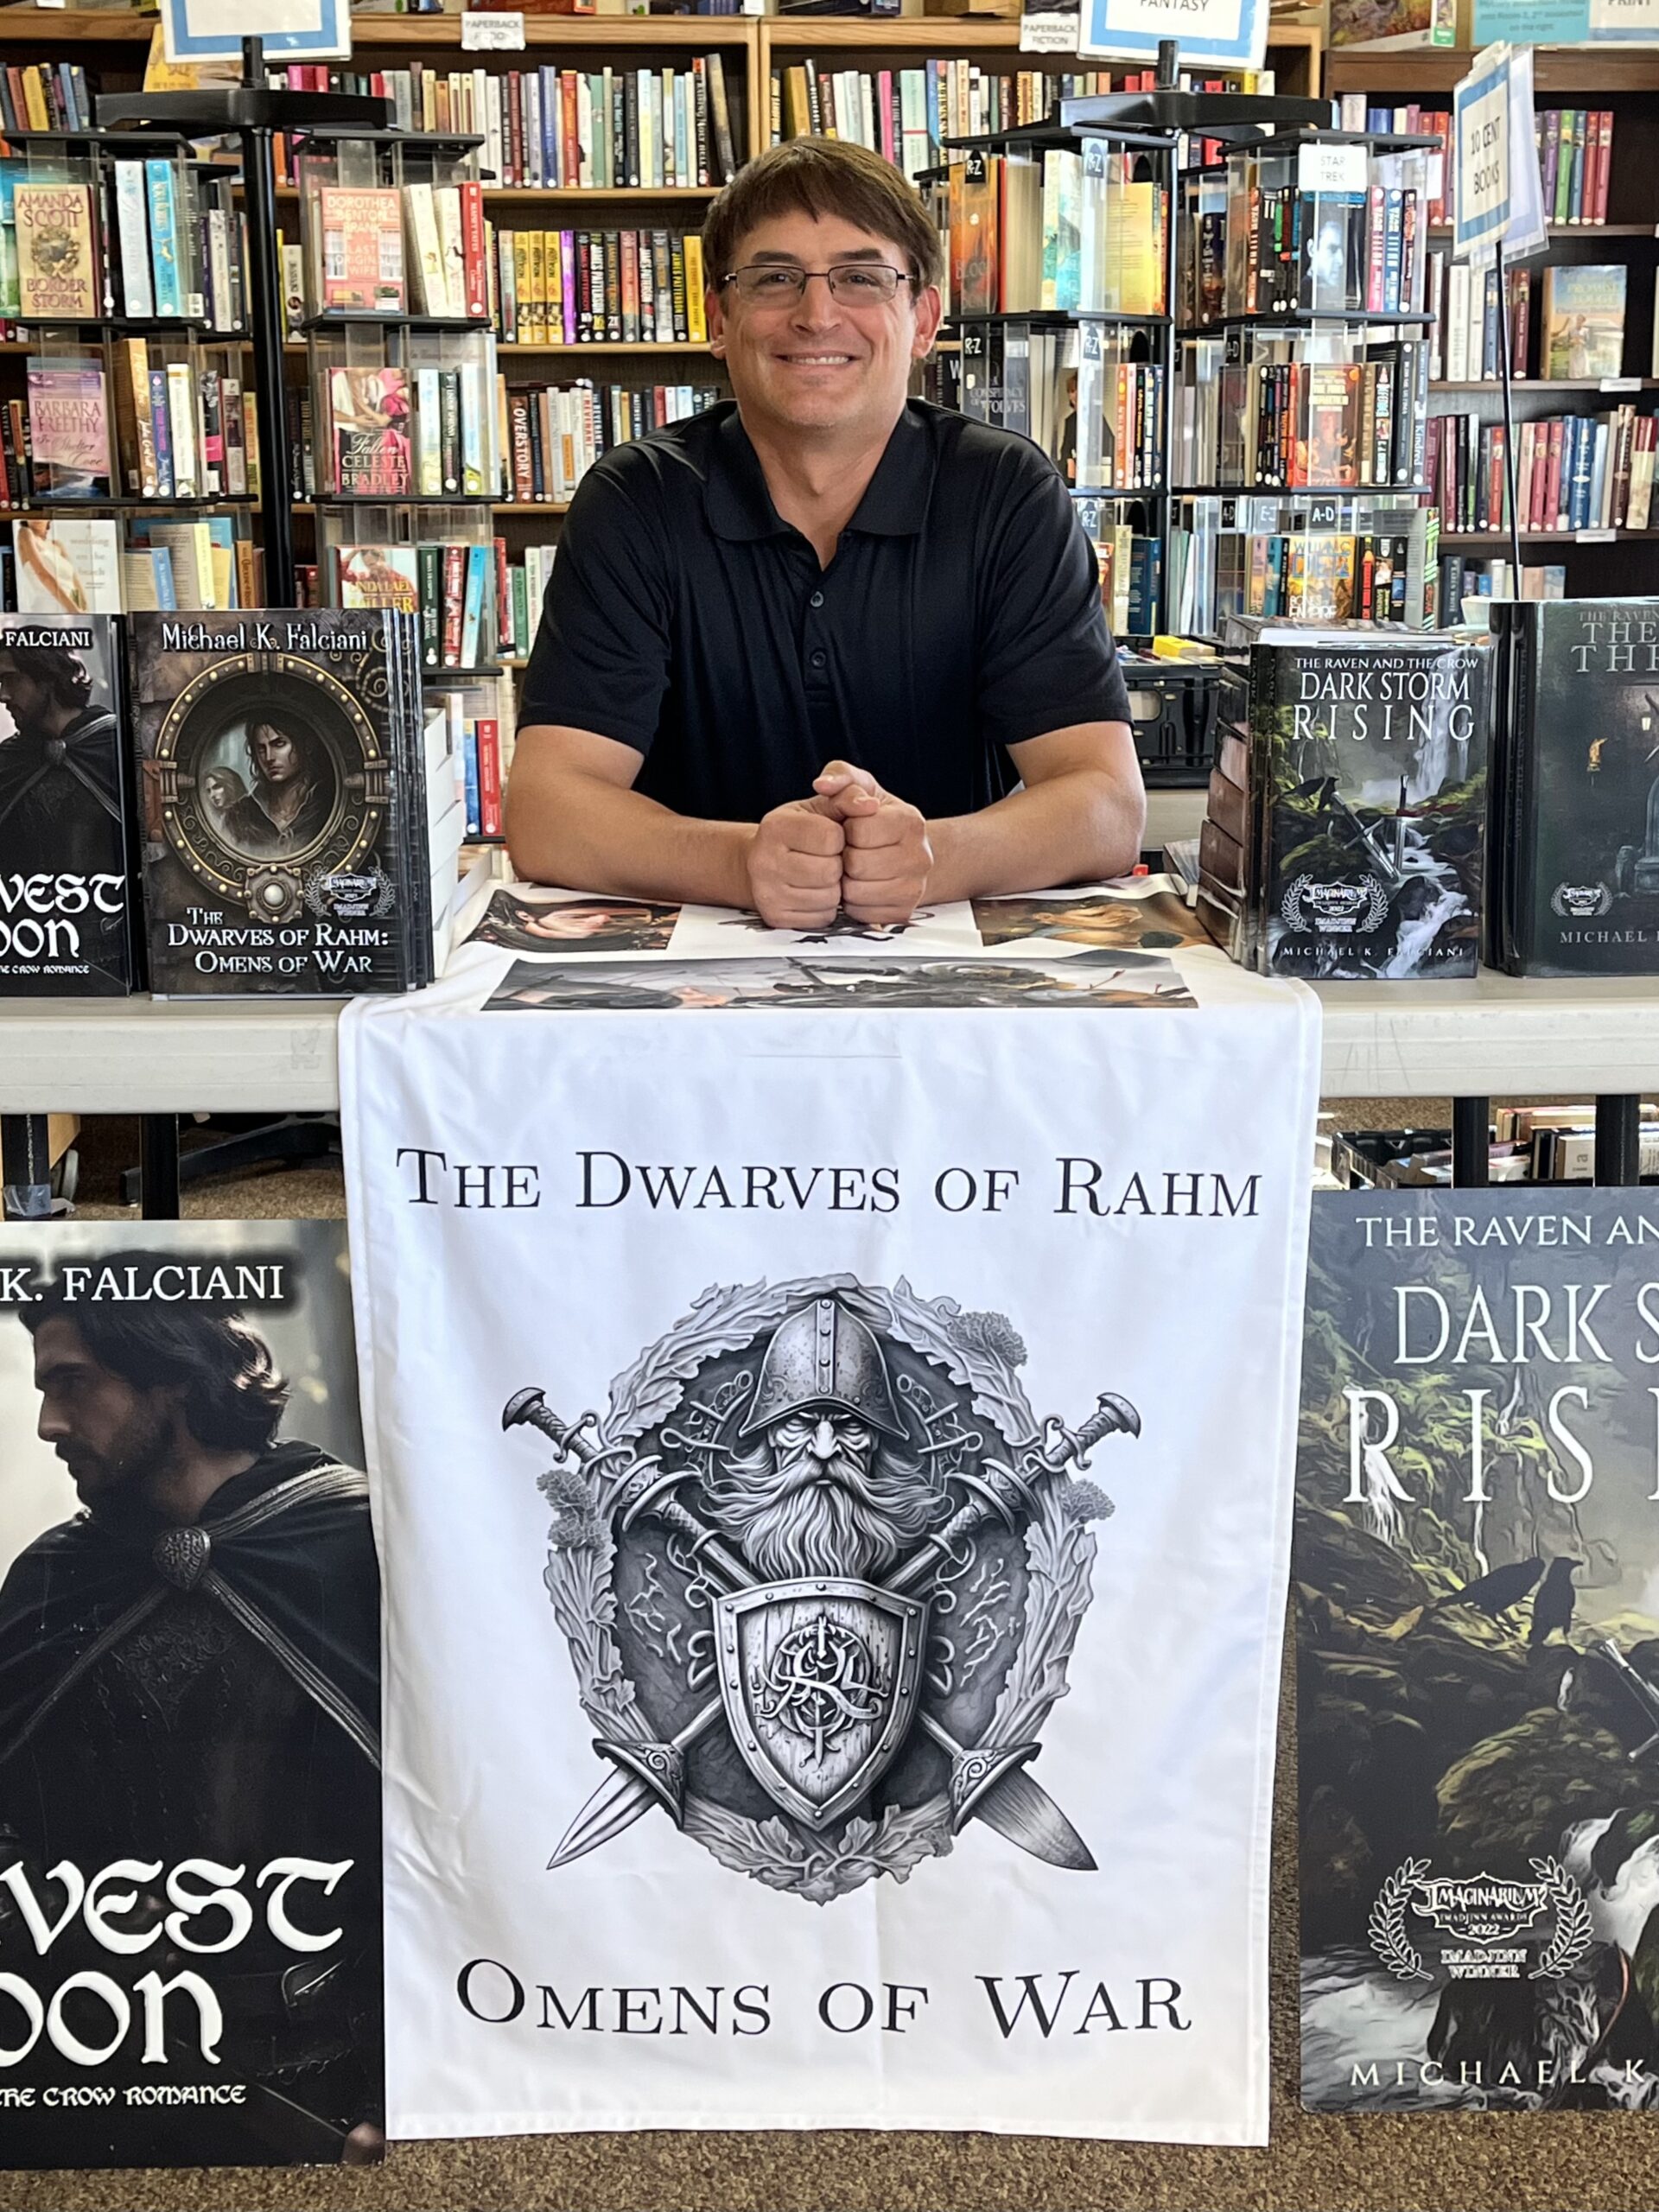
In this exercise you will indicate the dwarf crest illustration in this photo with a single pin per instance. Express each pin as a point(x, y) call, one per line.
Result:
point(820, 1569)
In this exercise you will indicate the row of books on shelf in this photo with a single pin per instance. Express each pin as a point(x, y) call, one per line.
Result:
point(1573, 472)
point(1315, 576)
point(459, 590)
point(1300, 557)
point(574, 288)
point(410, 249)
point(1249, 419)
point(182, 429)
point(1290, 249)
point(553, 433)
point(1411, 120)
point(1580, 322)
point(1063, 233)
point(1574, 147)
point(1098, 418)
point(1463, 578)
point(246, 836)
point(1131, 569)
point(85, 564)
point(415, 433)
point(610, 128)
point(145, 240)
point(911, 115)
point(45, 96)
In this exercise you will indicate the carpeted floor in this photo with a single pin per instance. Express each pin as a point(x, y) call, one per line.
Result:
point(1451, 2164)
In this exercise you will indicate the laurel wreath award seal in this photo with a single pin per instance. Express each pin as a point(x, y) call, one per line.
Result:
point(820, 1569)
point(1575, 1931)
point(1387, 1925)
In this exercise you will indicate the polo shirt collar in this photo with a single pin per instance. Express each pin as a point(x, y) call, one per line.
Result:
point(739, 505)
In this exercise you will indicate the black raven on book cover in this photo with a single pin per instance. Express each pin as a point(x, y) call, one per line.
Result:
point(272, 756)
point(1476, 1587)
point(66, 896)
point(189, 1665)
point(1375, 754)
point(1586, 750)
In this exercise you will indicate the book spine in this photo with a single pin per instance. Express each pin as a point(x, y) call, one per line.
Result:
point(454, 601)
point(163, 239)
point(137, 298)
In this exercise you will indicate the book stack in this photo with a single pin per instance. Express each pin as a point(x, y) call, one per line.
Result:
point(414, 433)
point(583, 287)
point(289, 825)
point(1573, 472)
point(1575, 799)
point(1097, 416)
point(416, 248)
point(1345, 820)
point(1068, 232)
point(551, 435)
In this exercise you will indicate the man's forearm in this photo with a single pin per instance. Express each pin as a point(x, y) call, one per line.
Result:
point(1074, 827)
point(590, 835)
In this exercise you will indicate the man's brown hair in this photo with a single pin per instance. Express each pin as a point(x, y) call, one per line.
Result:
point(819, 177)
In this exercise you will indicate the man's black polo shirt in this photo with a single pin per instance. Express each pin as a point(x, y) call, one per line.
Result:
point(961, 614)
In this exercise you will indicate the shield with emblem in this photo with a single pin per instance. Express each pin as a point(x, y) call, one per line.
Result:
point(819, 1679)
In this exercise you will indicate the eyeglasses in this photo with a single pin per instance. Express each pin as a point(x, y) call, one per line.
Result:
point(855, 284)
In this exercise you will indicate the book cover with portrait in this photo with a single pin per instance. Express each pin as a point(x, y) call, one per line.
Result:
point(189, 1701)
point(283, 814)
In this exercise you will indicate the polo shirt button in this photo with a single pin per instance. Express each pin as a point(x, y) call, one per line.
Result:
point(817, 660)
point(816, 600)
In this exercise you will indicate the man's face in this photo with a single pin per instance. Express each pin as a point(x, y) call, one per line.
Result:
point(820, 1446)
point(108, 1432)
point(21, 695)
point(275, 754)
point(578, 921)
point(818, 363)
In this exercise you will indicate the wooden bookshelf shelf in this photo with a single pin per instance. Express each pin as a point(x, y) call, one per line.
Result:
point(1521, 385)
point(1460, 541)
point(1588, 231)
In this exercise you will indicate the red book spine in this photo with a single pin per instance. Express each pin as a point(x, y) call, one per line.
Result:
point(489, 779)
point(472, 247)
point(1376, 262)
point(1605, 163)
point(572, 160)
point(1553, 481)
point(454, 586)
point(503, 598)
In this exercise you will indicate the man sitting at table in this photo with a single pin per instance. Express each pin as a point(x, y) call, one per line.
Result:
point(823, 646)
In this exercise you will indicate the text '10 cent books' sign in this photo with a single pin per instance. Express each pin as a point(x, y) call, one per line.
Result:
point(1227, 31)
point(204, 30)
point(1499, 201)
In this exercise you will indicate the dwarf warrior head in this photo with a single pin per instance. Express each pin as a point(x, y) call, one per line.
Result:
point(830, 1486)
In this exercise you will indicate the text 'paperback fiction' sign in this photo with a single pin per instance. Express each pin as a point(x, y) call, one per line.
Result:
point(1226, 31)
point(208, 30)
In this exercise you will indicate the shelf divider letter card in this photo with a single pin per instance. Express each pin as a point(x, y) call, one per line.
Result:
point(1226, 31)
point(1480, 104)
point(203, 30)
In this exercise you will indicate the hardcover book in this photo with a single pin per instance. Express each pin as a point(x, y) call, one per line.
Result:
point(1475, 1571)
point(189, 1700)
point(1584, 322)
point(57, 279)
point(69, 426)
point(283, 802)
point(1372, 755)
point(1578, 791)
point(67, 918)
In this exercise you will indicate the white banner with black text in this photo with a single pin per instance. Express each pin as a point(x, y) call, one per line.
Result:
point(831, 1431)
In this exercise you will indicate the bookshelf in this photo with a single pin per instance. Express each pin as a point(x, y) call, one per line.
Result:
point(1626, 84)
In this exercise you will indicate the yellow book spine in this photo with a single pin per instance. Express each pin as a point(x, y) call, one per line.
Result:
point(696, 326)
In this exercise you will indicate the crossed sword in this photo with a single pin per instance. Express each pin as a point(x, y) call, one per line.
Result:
point(990, 1785)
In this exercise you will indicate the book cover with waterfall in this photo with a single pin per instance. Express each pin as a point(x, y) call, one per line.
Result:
point(1476, 1585)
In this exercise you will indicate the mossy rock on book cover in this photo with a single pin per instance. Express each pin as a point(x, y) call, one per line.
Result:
point(269, 770)
point(1475, 1595)
point(1587, 743)
point(1374, 751)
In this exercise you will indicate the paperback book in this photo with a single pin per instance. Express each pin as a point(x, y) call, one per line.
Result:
point(284, 805)
point(57, 261)
point(69, 427)
point(1475, 1594)
point(68, 919)
point(1584, 322)
point(189, 1700)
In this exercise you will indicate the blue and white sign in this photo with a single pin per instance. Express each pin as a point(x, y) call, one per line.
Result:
point(1233, 32)
point(1480, 122)
point(293, 30)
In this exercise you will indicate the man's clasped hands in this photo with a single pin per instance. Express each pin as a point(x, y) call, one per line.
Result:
point(852, 848)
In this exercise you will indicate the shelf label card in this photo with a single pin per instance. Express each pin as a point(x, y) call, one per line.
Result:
point(1227, 31)
point(1324, 167)
point(1594, 537)
point(1621, 383)
point(488, 32)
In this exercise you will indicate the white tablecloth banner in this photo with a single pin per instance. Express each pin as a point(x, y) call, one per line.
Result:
point(832, 1472)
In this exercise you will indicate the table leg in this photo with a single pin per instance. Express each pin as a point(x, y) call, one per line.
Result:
point(159, 1186)
point(1619, 1141)
point(1472, 1122)
point(26, 1167)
